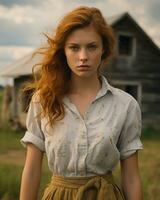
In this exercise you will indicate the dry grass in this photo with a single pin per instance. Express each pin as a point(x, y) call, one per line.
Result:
point(150, 169)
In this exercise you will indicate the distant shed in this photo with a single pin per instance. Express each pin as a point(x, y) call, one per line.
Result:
point(134, 68)
point(20, 71)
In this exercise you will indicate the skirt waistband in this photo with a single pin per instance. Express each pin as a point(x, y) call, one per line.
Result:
point(76, 182)
point(101, 187)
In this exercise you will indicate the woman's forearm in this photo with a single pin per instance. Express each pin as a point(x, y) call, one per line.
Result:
point(29, 185)
point(132, 189)
point(31, 173)
point(131, 181)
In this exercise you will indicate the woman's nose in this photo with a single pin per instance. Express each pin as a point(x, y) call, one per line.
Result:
point(83, 55)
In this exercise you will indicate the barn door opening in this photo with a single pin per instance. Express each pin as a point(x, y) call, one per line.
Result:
point(133, 90)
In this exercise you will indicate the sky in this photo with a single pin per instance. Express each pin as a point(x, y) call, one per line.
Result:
point(23, 22)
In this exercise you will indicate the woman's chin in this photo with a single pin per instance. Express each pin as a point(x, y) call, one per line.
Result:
point(84, 74)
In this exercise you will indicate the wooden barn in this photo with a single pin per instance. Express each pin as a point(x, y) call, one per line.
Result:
point(134, 68)
point(20, 71)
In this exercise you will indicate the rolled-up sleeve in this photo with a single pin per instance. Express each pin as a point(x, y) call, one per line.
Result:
point(34, 133)
point(129, 140)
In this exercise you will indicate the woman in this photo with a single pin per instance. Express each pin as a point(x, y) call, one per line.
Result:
point(84, 125)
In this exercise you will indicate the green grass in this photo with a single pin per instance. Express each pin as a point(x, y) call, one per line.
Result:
point(1, 98)
point(9, 139)
point(150, 169)
point(9, 181)
point(150, 134)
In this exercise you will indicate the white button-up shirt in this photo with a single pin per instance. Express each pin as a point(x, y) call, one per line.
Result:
point(77, 146)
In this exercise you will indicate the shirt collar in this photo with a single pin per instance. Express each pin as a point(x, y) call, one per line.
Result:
point(106, 87)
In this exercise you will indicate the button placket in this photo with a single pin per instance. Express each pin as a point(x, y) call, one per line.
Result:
point(82, 149)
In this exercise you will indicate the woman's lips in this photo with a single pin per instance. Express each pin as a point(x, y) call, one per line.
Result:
point(83, 67)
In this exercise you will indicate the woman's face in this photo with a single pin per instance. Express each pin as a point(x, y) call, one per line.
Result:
point(83, 49)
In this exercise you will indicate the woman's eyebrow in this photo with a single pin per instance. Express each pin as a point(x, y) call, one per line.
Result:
point(71, 43)
point(90, 43)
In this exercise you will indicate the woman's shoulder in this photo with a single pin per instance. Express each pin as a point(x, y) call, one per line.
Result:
point(122, 96)
point(35, 101)
point(118, 94)
point(35, 97)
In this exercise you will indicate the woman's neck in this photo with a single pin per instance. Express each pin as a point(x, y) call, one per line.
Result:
point(83, 85)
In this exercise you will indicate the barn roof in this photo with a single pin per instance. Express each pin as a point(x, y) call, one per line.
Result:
point(115, 20)
point(23, 66)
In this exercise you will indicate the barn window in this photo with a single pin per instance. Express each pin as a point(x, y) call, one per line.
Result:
point(125, 44)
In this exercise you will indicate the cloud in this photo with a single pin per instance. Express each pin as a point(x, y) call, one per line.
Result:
point(8, 54)
point(28, 20)
point(10, 3)
point(24, 35)
point(16, 14)
point(155, 10)
point(21, 26)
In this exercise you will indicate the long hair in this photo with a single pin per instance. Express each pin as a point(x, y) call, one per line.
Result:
point(54, 74)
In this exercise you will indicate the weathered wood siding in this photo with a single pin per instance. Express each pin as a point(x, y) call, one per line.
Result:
point(17, 106)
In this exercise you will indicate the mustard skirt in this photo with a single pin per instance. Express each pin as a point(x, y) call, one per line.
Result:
point(83, 188)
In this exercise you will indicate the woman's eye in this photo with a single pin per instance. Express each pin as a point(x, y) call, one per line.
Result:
point(74, 48)
point(92, 47)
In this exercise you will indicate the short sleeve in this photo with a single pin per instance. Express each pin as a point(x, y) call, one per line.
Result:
point(34, 133)
point(129, 140)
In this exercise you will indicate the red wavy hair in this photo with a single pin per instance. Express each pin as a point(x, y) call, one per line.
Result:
point(54, 74)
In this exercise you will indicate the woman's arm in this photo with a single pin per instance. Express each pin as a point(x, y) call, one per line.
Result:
point(31, 173)
point(131, 183)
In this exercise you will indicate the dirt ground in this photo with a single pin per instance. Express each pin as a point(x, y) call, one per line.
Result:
point(14, 156)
